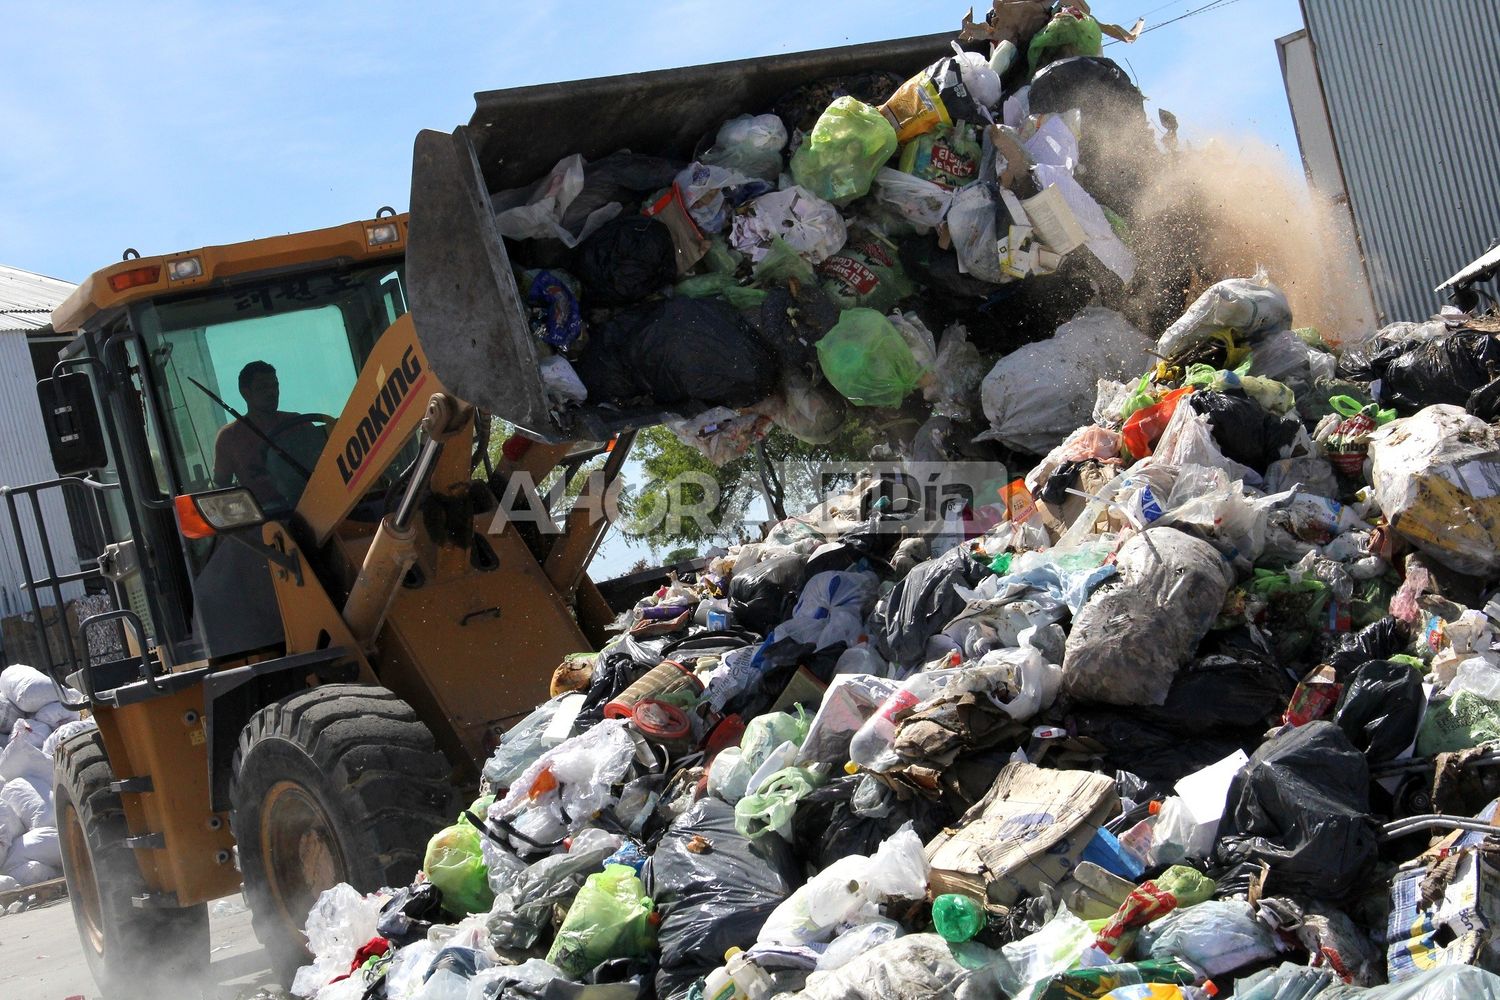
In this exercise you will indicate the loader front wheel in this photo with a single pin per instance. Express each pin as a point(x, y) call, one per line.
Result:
point(339, 783)
point(132, 950)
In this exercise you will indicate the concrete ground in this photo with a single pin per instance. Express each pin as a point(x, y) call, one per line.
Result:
point(41, 957)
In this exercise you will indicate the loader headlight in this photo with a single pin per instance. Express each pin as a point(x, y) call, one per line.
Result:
point(381, 234)
point(202, 515)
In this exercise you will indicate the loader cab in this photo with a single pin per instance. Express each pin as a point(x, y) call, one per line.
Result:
point(163, 343)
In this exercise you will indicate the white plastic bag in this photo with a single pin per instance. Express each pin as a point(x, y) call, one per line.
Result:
point(751, 145)
point(25, 873)
point(64, 732)
point(30, 801)
point(1038, 395)
point(27, 688)
point(729, 775)
point(920, 202)
point(22, 759)
point(711, 193)
point(850, 891)
point(536, 213)
point(40, 845)
point(528, 739)
point(808, 224)
point(1252, 306)
point(33, 731)
point(560, 383)
point(1020, 681)
point(54, 715)
point(1055, 948)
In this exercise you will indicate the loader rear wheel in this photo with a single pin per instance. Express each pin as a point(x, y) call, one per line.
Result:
point(131, 951)
point(339, 783)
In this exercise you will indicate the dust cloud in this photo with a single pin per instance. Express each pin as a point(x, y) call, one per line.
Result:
point(1227, 207)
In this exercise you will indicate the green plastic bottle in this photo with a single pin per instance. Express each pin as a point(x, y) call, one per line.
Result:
point(958, 918)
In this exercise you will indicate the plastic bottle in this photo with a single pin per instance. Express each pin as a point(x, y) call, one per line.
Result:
point(871, 746)
point(957, 917)
point(737, 979)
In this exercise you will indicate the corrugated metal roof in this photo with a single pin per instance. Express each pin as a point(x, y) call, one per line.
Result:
point(27, 299)
point(1411, 93)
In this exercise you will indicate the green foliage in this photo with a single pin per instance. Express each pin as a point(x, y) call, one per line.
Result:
point(667, 472)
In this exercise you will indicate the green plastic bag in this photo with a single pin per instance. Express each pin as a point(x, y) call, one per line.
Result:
point(840, 156)
point(610, 918)
point(703, 286)
point(1462, 721)
point(864, 358)
point(765, 733)
point(866, 273)
point(771, 808)
point(456, 866)
point(1065, 35)
point(1187, 885)
point(782, 264)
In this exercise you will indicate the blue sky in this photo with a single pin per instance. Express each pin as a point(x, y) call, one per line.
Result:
point(166, 127)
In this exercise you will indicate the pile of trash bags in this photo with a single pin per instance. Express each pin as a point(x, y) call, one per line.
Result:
point(1207, 702)
point(32, 723)
point(866, 241)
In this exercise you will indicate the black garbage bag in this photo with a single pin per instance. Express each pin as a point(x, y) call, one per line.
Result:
point(920, 604)
point(621, 176)
point(1378, 641)
point(1156, 751)
point(826, 827)
point(689, 353)
point(626, 260)
point(762, 597)
point(1244, 430)
point(410, 913)
point(1437, 371)
point(1223, 693)
point(792, 321)
point(713, 890)
point(1302, 806)
point(1381, 708)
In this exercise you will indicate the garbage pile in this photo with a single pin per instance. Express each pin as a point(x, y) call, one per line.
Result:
point(32, 723)
point(1205, 703)
point(865, 242)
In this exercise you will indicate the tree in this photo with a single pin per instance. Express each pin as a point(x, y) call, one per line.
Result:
point(676, 476)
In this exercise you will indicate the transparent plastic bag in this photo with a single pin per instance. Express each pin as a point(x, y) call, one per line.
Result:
point(772, 805)
point(576, 777)
point(856, 941)
point(536, 213)
point(921, 204)
point(1218, 936)
point(521, 745)
point(339, 922)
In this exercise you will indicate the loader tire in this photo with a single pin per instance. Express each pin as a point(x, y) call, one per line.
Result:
point(132, 951)
point(339, 783)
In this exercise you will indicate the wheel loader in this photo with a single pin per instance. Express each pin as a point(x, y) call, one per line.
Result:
point(309, 674)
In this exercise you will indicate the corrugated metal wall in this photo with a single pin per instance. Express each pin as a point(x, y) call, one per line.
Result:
point(25, 458)
point(1411, 88)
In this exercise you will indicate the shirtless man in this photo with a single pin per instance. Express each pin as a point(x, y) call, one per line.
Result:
point(239, 453)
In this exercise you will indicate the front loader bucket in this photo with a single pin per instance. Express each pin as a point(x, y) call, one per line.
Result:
point(467, 309)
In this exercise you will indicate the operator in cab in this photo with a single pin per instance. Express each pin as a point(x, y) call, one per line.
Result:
point(244, 447)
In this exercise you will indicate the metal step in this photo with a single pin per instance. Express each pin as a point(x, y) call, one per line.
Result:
point(147, 842)
point(136, 785)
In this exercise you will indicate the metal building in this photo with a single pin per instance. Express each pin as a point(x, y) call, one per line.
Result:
point(1395, 106)
point(26, 304)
